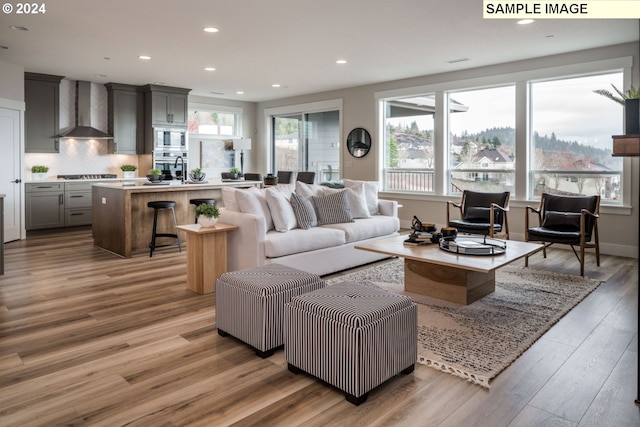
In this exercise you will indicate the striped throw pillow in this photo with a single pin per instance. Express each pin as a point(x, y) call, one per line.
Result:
point(333, 208)
point(304, 212)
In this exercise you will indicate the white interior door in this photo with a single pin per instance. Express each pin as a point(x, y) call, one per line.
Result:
point(11, 172)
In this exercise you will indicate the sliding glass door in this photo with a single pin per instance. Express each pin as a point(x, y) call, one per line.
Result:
point(308, 142)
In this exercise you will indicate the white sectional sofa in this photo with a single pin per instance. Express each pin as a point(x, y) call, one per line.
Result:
point(270, 226)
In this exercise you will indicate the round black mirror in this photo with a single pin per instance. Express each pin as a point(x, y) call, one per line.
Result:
point(358, 142)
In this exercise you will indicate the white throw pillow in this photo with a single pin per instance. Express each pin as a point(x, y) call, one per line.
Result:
point(370, 192)
point(281, 211)
point(309, 190)
point(254, 201)
point(229, 199)
point(358, 201)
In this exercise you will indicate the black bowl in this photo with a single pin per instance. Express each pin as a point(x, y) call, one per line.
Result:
point(449, 233)
point(154, 178)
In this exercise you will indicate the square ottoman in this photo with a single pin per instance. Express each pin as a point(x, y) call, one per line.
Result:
point(250, 303)
point(354, 337)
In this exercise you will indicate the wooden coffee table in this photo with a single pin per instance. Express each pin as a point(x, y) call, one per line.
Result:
point(461, 279)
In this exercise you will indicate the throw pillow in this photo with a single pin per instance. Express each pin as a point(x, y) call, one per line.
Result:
point(370, 192)
point(308, 190)
point(333, 208)
point(229, 199)
point(284, 219)
point(254, 201)
point(358, 201)
point(304, 212)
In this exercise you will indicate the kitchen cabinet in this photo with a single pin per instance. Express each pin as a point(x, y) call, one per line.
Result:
point(166, 106)
point(42, 122)
point(125, 118)
point(44, 205)
point(77, 203)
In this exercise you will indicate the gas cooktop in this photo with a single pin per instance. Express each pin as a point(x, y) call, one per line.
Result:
point(89, 176)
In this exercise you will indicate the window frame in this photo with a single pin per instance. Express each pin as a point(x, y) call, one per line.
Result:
point(236, 111)
point(521, 80)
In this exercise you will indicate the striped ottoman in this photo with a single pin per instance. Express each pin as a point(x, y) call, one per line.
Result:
point(250, 303)
point(354, 337)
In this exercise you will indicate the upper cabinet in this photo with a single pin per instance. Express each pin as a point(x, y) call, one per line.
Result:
point(166, 106)
point(126, 118)
point(42, 113)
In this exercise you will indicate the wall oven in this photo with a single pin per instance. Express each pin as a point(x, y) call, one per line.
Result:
point(165, 160)
point(170, 139)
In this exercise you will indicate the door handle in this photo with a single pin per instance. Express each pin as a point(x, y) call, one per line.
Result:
point(17, 181)
point(60, 199)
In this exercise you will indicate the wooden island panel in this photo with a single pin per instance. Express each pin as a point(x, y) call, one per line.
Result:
point(123, 223)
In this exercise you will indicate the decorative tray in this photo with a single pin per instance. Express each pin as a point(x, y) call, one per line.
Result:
point(474, 246)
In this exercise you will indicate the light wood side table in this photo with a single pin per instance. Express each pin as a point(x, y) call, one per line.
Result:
point(206, 255)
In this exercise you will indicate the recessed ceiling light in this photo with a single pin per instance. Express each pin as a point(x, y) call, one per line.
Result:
point(145, 57)
point(107, 58)
point(341, 61)
point(525, 21)
point(275, 85)
point(101, 76)
point(209, 69)
point(158, 83)
point(550, 36)
point(19, 28)
point(210, 30)
point(240, 92)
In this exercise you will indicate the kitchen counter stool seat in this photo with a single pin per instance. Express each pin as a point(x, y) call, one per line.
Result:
point(157, 206)
point(198, 202)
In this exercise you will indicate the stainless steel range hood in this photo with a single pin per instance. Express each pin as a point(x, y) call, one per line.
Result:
point(83, 129)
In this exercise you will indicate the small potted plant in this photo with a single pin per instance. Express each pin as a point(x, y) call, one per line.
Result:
point(207, 214)
point(630, 100)
point(39, 172)
point(128, 171)
point(234, 172)
point(197, 175)
point(154, 175)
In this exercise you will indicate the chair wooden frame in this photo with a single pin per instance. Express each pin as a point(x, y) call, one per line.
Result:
point(493, 206)
point(583, 243)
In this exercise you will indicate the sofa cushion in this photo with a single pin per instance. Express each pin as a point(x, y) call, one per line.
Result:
point(281, 211)
point(333, 208)
point(358, 201)
point(304, 212)
point(299, 240)
point(254, 201)
point(367, 228)
point(370, 192)
point(229, 199)
point(310, 190)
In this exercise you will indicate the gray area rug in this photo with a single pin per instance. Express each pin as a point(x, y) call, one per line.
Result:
point(478, 341)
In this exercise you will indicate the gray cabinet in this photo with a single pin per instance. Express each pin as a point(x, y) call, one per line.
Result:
point(164, 106)
point(77, 203)
point(44, 205)
point(126, 118)
point(42, 122)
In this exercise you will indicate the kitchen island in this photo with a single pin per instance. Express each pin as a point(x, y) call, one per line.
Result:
point(122, 222)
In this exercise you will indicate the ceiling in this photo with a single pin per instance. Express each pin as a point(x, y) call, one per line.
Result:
point(294, 43)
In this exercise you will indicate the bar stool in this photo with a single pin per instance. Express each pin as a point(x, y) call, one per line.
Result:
point(198, 202)
point(156, 207)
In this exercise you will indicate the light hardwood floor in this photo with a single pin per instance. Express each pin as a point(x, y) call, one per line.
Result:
point(91, 339)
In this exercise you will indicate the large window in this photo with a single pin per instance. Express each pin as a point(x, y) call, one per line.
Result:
point(213, 122)
point(409, 144)
point(482, 143)
point(308, 142)
point(571, 137)
point(535, 135)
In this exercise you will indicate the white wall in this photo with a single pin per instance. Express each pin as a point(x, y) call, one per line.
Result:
point(618, 227)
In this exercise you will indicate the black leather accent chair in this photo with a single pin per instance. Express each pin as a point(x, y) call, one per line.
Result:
point(569, 220)
point(306, 177)
point(284, 177)
point(481, 213)
point(252, 177)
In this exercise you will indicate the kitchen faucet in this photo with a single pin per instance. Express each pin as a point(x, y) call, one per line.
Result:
point(175, 165)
